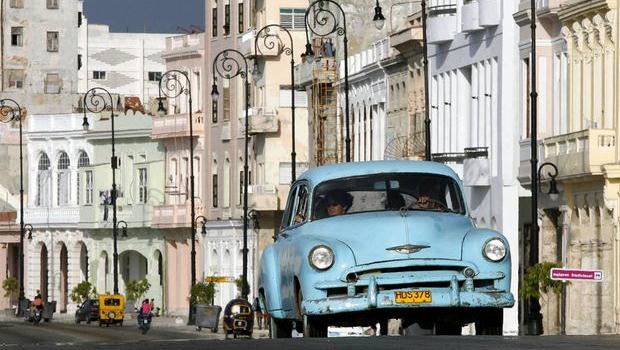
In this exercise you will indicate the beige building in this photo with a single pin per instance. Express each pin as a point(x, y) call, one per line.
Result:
point(234, 25)
point(577, 128)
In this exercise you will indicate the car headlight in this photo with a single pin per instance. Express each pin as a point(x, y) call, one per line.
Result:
point(321, 257)
point(494, 250)
point(111, 315)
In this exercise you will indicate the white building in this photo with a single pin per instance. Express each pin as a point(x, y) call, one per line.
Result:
point(128, 64)
point(473, 56)
point(367, 101)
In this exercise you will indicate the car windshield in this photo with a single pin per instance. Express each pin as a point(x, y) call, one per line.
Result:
point(112, 302)
point(387, 192)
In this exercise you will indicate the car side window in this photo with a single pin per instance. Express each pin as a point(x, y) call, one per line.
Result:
point(301, 205)
point(286, 217)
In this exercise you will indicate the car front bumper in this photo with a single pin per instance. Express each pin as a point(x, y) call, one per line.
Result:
point(454, 296)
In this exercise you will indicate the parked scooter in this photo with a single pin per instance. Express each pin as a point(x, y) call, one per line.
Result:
point(144, 322)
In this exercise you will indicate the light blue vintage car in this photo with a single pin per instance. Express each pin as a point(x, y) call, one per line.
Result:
point(362, 243)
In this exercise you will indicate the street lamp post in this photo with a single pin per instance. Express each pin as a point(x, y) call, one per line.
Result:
point(95, 102)
point(123, 225)
point(203, 222)
point(10, 111)
point(228, 64)
point(322, 22)
point(269, 42)
point(172, 87)
point(379, 21)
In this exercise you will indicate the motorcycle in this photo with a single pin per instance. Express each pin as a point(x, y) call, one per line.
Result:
point(144, 322)
point(38, 315)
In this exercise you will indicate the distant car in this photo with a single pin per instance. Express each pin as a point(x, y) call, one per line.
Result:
point(88, 311)
point(362, 243)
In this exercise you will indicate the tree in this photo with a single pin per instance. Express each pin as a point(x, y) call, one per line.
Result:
point(136, 289)
point(202, 293)
point(537, 278)
point(82, 291)
point(11, 287)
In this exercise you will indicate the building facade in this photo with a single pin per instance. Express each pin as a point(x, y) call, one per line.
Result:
point(577, 131)
point(183, 53)
point(472, 55)
point(69, 206)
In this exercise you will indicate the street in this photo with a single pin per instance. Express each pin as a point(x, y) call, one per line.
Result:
point(69, 336)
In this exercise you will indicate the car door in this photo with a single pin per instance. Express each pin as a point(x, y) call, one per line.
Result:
point(293, 219)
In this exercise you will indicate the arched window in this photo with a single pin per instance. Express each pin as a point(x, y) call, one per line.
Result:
point(63, 180)
point(42, 198)
point(84, 161)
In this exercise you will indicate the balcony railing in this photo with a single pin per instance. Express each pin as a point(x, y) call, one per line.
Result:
point(441, 24)
point(580, 153)
point(470, 16)
point(42, 216)
point(177, 125)
point(263, 197)
point(174, 215)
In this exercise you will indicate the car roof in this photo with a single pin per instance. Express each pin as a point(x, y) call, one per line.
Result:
point(336, 171)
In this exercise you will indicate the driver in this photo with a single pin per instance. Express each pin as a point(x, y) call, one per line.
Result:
point(337, 202)
point(425, 199)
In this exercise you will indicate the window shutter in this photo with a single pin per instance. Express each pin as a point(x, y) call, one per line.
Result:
point(286, 18)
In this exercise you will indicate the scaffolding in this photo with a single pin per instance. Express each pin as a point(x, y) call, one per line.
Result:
point(326, 127)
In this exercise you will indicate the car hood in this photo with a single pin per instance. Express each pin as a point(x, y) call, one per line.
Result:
point(371, 235)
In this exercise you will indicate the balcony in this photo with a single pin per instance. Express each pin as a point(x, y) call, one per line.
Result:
point(262, 121)
point(263, 198)
point(52, 216)
point(225, 132)
point(441, 23)
point(177, 125)
point(490, 13)
point(406, 39)
point(576, 154)
point(323, 70)
point(476, 167)
point(470, 16)
point(173, 215)
point(247, 40)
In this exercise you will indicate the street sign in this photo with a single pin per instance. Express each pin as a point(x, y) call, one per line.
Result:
point(559, 274)
point(220, 279)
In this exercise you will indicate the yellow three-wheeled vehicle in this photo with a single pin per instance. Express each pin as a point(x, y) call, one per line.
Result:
point(111, 309)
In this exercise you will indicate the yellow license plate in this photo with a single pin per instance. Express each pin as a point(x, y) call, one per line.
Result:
point(414, 297)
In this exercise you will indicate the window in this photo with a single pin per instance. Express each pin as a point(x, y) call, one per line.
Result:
point(301, 205)
point(17, 4)
point(143, 184)
point(52, 4)
point(293, 18)
point(79, 19)
point(214, 21)
point(226, 184)
point(42, 198)
point(52, 83)
point(98, 75)
point(52, 41)
point(226, 19)
point(14, 78)
point(17, 36)
point(240, 199)
point(154, 76)
point(79, 62)
point(82, 162)
point(62, 188)
point(240, 15)
point(214, 112)
point(215, 189)
point(301, 98)
point(226, 101)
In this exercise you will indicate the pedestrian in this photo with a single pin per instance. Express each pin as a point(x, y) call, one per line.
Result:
point(152, 305)
point(258, 312)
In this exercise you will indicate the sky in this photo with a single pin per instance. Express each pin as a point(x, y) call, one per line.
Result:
point(151, 16)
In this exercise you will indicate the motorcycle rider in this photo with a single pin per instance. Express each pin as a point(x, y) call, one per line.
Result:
point(145, 311)
point(37, 304)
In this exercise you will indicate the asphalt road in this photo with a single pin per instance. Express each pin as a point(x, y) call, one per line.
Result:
point(16, 335)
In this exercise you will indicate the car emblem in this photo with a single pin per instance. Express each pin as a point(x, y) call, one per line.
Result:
point(408, 248)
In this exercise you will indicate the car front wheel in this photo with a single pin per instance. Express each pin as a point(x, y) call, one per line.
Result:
point(279, 328)
point(314, 327)
point(490, 322)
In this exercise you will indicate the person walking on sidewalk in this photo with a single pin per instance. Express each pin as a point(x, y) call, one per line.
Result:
point(258, 312)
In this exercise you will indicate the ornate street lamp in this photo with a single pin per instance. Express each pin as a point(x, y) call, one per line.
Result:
point(322, 22)
point(268, 41)
point(172, 87)
point(228, 64)
point(11, 111)
point(123, 225)
point(28, 228)
point(379, 21)
point(95, 102)
point(203, 221)
point(553, 192)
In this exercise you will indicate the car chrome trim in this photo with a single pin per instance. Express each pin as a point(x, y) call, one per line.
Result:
point(408, 248)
